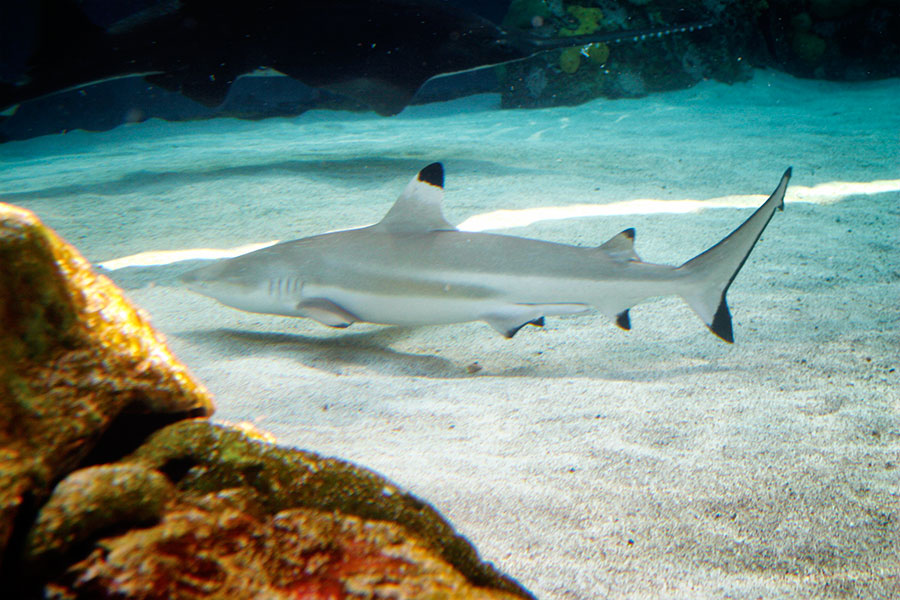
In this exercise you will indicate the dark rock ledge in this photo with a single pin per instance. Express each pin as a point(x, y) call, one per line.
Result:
point(114, 484)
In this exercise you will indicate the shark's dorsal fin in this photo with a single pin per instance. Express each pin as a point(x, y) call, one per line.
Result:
point(621, 246)
point(418, 209)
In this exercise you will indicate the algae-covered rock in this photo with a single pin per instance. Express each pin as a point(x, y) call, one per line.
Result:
point(75, 357)
point(92, 500)
point(208, 548)
point(205, 458)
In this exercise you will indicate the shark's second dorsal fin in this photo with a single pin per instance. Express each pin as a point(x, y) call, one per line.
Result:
point(418, 209)
point(621, 246)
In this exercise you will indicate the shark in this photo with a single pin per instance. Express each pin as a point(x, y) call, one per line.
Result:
point(377, 52)
point(414, 268)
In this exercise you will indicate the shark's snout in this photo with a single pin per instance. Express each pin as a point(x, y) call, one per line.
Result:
point(201, 279)
point(193, 278)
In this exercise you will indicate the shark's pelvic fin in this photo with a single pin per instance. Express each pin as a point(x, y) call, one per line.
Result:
point(514, 318)
point(711, 273)
point(418, 209)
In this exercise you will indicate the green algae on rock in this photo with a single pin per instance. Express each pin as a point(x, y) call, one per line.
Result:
point(205, 458)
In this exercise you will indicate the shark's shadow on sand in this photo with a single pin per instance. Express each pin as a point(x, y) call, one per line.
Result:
point(370, 352)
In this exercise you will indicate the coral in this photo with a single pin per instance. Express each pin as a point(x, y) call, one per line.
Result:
point(570, 60)
point(588, 20)
point(598, 53)
point(522, 13)
point(808, 47)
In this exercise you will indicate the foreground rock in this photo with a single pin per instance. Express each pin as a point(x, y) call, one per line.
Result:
point(109, 489)
point(75, 359)
point(249, 519)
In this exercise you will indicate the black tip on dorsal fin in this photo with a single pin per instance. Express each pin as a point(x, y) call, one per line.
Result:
point(433, 174)
point(621, 246)
point(623, 320)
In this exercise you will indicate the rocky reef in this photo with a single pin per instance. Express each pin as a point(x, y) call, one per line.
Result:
point(823, 39)
point(616, 70)
point(113, 482)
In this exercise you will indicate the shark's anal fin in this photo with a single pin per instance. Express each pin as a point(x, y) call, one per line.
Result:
point(623, 320)
point(326, 312)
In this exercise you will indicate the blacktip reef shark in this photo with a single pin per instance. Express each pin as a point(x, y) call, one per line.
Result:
point(378, 52)
point(414, 268)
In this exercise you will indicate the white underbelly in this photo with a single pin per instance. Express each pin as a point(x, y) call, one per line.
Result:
point(433, 310)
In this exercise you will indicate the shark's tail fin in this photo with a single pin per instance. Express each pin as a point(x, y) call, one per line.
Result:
point(710, 274)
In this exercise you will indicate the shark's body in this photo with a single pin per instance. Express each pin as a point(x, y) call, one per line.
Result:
point(378, 52)
point(414, 268)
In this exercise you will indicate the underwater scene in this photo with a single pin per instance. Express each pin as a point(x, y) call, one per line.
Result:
point(557, 299)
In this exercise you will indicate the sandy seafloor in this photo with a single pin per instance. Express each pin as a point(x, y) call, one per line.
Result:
point(585, 461)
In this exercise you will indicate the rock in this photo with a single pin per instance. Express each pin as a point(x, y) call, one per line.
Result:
point(204, 511)
point(211, 548)
point(204, 458)
point(75, 358)
point(92, 500)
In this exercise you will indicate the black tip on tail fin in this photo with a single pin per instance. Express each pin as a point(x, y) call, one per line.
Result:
point(709, 274)
point(786, 176)
point(721, 323)
point(433, 174)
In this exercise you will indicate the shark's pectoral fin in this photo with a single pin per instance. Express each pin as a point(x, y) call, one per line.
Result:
point(623, 320)
point(326, 312)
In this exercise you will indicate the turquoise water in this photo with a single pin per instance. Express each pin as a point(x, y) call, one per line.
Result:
point(582, 460)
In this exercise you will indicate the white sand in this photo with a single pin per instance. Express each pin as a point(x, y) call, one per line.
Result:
point(585, 461)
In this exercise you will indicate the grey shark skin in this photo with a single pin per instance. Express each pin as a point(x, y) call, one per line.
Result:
point(414, 268)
